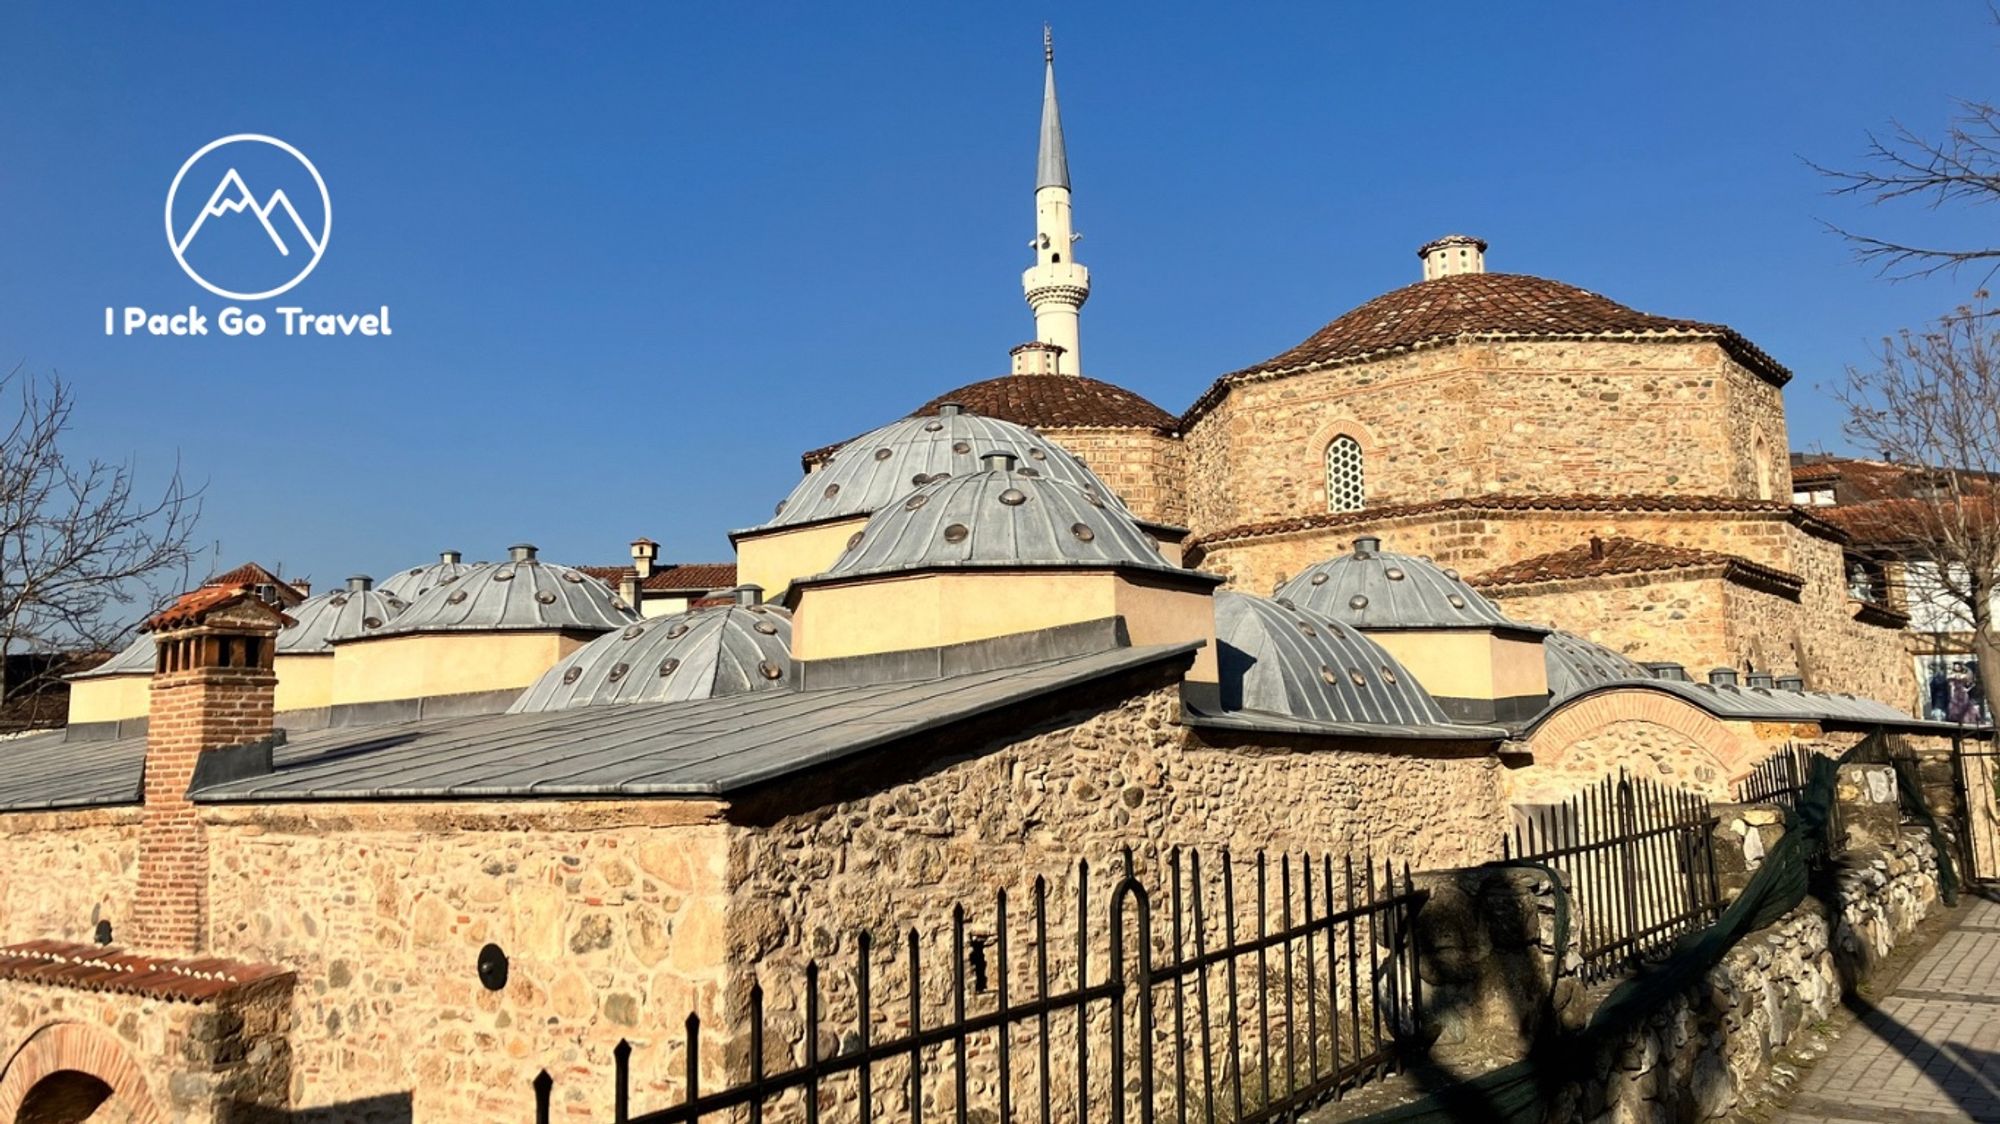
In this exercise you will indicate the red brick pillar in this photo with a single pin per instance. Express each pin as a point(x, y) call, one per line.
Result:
point(212, 690)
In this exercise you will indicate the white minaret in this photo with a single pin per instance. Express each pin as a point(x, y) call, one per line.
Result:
point(1055, 285)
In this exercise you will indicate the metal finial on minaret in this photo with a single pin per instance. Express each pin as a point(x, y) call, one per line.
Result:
point(1056, 286)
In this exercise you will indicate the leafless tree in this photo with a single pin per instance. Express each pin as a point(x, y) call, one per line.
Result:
point(82, 552)
point(1931, 404)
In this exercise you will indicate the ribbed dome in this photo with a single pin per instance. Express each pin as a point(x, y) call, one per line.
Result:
point(1370, 588)
point(724, 650)
point(1056, 402)
point(135, 659)
point(1282, 659)
point(522, 594)
point(1000, 517)
point(416, 581)
point(882, 466)
point(359, 609)
point(1575, 664)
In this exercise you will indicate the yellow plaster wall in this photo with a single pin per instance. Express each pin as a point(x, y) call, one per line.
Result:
point(773, 560)
point(1469, 663)
point(109, 698)
point(304, 682)
point(443, 663)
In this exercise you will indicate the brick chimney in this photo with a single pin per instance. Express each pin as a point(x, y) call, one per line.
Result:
point(211, 715)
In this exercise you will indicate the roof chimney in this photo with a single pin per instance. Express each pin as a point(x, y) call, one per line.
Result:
point(1722, 677)
point(950, 409)
point(998, 461)
point(1792, 683)
point(1367, 545)
point(303, 585)
point(211, 717)
point(747, 595)
point(1452, 254)
point(644, 553)
point(1596, 549)
point(1669, 671)
point(360, 583)
point(1762, 679)
point(1037, 357)
point(521, 552)
point(449, 557)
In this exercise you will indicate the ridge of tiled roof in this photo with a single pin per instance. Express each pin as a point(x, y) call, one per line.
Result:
point(1482, 306)
point(1807, 520)
point(673, 577)
point(1042, 402)
point(251, 575)
point(1616, 555)
point(189, 607)
point(90, 968)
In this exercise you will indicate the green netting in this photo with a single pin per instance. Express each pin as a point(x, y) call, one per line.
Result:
point(1521, 1092)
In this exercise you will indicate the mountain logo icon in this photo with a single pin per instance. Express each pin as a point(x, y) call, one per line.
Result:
point(222, 237)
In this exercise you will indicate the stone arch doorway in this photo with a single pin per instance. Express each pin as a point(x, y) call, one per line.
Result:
point(69, 1073)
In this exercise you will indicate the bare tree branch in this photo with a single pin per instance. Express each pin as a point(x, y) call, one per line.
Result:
point(1961, 167)
point(79, 546)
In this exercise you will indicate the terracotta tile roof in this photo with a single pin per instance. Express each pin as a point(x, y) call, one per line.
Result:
point(89, 968)
point(190, 607)
point(1483, 306)
point(1805, 519)
point(252, 575)
point(675, 578)
point(1043, 402)
point(1605, 557)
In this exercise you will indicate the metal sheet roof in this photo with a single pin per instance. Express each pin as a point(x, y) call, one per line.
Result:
point(1002, 516)
point(1282, 659)
point(1373, 589)
point(51, 771)
point(708, 747)
point(519, 595)
point(135, 659)
point(1575, 664)
point(884, 465)
point(358, 609)
point(724, 650)
point(416, 581)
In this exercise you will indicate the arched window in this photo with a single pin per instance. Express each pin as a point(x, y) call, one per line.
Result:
point(1345, 490)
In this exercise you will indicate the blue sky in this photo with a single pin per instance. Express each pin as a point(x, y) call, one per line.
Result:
point(638, 257)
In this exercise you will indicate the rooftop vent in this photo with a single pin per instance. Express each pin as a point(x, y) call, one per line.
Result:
point(747, 595)
point(1367, 545)
point(1722, 677)
point(1669, 671)
point(1761, 679)
point(1453, 254)
point(950, 409)
point(1791, 683)
point(521, 552)
point(360, 583)
point(449, 557)
point(998, 461)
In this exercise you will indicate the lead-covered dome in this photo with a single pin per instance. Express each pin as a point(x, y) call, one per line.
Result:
point(721, 650)
point(522, 594)
point(882, 466)
point(1373, 589)
point(1280, 658)
point(416, 581)
point(1575, 664)
point(358, 609)
point(135, 658)
point(1005, 515)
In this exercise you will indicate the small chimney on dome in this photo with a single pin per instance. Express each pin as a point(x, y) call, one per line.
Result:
point(360, 583)
point(1038, 358)
point(950, 409)
point(998, 461)
point(1452, 254)
point(747, 595)
point(521, 552)
point(1367, 545)
point(644, 553)
point(449, 557)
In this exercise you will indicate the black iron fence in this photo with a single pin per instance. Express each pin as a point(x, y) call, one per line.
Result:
point(1271, 987)
point(1640, 862)
point(1781, 779)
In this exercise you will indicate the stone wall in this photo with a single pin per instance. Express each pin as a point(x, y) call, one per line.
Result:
point(63, 872)
point(1483, 417)
point(1147, 469)
point(611, 916)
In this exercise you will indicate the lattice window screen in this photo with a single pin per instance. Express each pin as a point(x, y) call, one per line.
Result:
point(1344, 488)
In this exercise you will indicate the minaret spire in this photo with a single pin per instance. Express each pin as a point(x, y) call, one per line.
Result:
point(1056, 286)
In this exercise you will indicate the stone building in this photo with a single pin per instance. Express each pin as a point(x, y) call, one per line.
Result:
point(384, 853)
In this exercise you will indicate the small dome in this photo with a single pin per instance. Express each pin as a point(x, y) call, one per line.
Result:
point(1575, 664)
point(723, 650)
point(1370, 588)
point(135, 659)
point(416, 581)
point(878, 468)
point(1000, 517)
point(1283, 659)
point(359, 609)
point(522, 594)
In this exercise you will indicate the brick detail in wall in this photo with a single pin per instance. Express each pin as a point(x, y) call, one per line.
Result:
point(193, 712)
